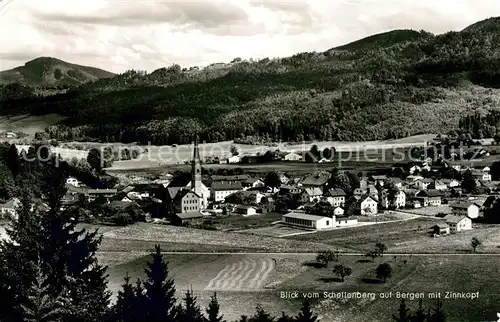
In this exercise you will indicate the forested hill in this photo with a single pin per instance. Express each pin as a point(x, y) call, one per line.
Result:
point(385, 86)
point(53, 72)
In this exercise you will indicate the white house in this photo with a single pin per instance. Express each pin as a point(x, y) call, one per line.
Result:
point(253, 183)
point(246, 210)
point(341, 222)
point(368, 206)
point(220, 190)
point(468, 209)
point(336, 197)
point(338, 211)
point(301, 219)
point(399, 199)
point(314, 193)
point(458, 223)
point(73, 181)
point(439, 185)
point(292, 156)
point(422, 184)
point(234, 159)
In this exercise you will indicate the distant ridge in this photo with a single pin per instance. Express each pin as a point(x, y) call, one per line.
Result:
point(49, 71)
point(383, 40)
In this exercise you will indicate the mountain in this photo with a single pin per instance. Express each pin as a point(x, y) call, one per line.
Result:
point(385, 39)
point(387, 86)
point(490, 24)
point(48, 71)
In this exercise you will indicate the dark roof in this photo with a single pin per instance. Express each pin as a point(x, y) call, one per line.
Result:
point(463, 204)
point(220, 186)
point(441, 225)
point(336, 193)
point(189, 215)
point(252, 180)
point(429, 193)
point(121, 204)
point(181, 194)
point(245, 207)
point(241, 177)
point(319, 179)
point(180, 181)
point(141, 187)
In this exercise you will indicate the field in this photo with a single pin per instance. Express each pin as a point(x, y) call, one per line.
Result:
point(28, 124)
point(430, 211)
point(408, 237)
point(352, 153)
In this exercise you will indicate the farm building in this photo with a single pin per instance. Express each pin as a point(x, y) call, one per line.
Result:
point(468, 209)
point(301, 219)
point(292, 156)
point(187, 218)
point(441, 229)
point(458, 223)
point(341, 222)
point(246, 210)
point(429, 197)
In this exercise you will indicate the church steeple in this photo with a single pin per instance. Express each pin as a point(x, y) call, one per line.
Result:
point(196, 169)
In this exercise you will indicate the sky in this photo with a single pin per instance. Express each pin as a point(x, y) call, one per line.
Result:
point(118, 35)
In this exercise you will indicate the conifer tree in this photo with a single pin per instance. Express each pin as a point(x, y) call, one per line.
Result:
point(261, 315)
point(160, 290)
point(13, 160)
point(40, 305)
point(402, 313)
point(285, 318)
point(306, 314)
point(438, 314)
point(213, 310)
point(126, 303)
point(191, 312)
point(419, 315)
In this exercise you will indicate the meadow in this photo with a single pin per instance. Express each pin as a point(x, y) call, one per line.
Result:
point(29, 124)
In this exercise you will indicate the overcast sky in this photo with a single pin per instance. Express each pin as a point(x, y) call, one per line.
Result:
point(118, 35)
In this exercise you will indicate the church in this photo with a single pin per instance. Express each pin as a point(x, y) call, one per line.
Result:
point(191, 182)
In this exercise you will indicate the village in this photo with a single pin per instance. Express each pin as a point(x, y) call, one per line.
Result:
point(282, 204)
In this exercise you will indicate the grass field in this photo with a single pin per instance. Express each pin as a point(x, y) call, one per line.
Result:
point(28, 124)
point(408, 237)
point(352, 153)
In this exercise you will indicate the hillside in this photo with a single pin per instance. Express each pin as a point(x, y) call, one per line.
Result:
point(391, 85)
point(48, 71)
point(383, 40)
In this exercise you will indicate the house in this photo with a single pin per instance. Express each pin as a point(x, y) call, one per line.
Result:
point(292, 156)
point(284, 178)
point(234, 159)
point(338, 211)
point(288, 189)
point(368, 206)
point(336, 197)
point(318, 180)
point(253, 183)
point(301, 219)
point(8, 209)
point(450, 183)
point(246, 210)
point(414, 168)
point(399, 199)
point(412, 178)
point(314, 193)
point(107, 194)
point(378, 180)
point(438, 185)
point(73, 181)
point(251, 197)
point(220, 190)
point(10, 135)
point(466, 208)
point(482, 176)
point(441, 229)
point(422, 184)
point(187, 218)
point(234, 178)
point(345, 221)
point(458, 223)
point(186, 201)
point(429, 197)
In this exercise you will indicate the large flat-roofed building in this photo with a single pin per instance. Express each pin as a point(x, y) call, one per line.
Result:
point(301, 219)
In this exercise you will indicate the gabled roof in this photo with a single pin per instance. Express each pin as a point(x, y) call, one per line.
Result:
point(336, 193)
point(222, 186)
point(11, 204)
point(189, 215)
point(441, 225)
point(181, 194)
point(452, 219)
point(252, 180)
point(429, 193)
point(382, 177)
point(101, 191)
point(463, 204)
point(314, 191)
point(319, 179)
point(244, 207)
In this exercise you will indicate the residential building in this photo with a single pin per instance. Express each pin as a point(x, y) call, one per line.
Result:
point(220, 190)
point(450, 183)
point(284, 178)
point(234, 159)
point(289, 189)
point(378, 180)
point(253, 183)
point(345, 221)
point(301, 219)
point(8, 209)
point(73, 181)
point(187, 218)
point(423, 184)
point(438, 185)
point(292, 156)
point(319, 180)
point(465, 208)
point(246, 210)
point(338, 211)
point(186, 201)
point(399, 200)
point(368, 206)
point(107, 194)
point(482, 176)
point(441, 229)
point(336, 197)
point(429, 198)
point(314, 193)
point(458, 223)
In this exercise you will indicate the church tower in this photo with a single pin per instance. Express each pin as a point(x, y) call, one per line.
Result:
point(196, 169)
